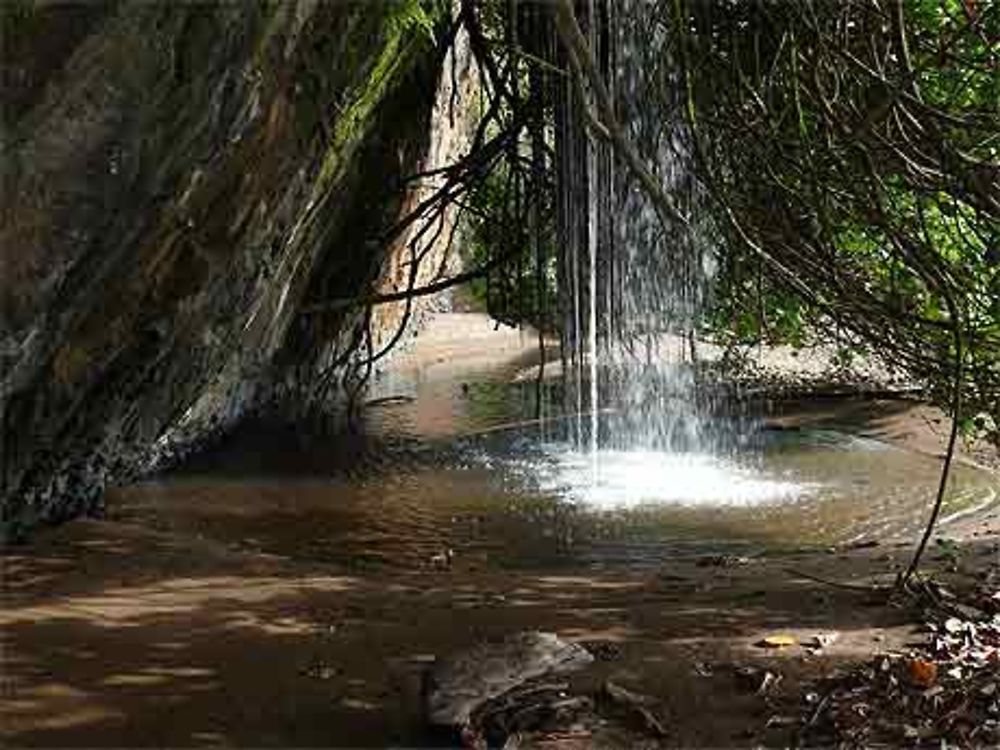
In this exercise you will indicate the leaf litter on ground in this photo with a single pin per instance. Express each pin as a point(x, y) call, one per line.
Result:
point(944, 691)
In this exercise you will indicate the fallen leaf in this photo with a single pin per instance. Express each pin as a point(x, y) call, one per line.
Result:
point(954, 625)
point(778, 641)
point(923, 672)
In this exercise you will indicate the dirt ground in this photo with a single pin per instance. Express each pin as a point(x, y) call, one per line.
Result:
point(118, 635)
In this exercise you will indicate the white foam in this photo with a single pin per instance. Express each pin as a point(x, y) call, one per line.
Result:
point(616, 479)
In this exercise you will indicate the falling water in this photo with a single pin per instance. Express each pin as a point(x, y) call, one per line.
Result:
point(660, 273)
point(651, 277)
point(633, 369)
point(593, 218)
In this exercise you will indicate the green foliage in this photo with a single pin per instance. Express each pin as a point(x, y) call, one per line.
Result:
point(948, 551)
point(515, 292)
point(749, 309)
point(976, 427)
point(864, 195)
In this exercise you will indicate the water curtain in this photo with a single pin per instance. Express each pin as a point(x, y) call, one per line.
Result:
point(632, 284)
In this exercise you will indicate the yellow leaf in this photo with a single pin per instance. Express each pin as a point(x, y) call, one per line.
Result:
point(778, 641)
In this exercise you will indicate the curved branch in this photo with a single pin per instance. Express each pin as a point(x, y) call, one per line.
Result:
point(423, 291)
point(582, 61)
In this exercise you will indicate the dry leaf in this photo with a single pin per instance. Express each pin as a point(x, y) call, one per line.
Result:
point(923, 672)
point(778, 641)
point(954, 625)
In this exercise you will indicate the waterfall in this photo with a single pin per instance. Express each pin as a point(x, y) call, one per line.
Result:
point(594, 150)
point(632, 381)
point(639, 426)
point(660, 272)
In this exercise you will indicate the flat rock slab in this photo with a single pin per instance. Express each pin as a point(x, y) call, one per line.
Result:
point(459, 684)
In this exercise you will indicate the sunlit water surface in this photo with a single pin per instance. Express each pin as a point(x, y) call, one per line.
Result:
point(625, 479)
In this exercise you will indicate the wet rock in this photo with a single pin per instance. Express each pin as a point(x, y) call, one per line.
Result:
point(181, 193)
point(459, 685)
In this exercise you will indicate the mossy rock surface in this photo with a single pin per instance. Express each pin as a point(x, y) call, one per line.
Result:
point(182, 176)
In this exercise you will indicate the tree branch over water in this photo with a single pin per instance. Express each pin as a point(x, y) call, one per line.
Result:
point(606, 124)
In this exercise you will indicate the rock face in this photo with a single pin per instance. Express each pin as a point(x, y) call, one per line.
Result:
point(460, 684)
point(181, 181)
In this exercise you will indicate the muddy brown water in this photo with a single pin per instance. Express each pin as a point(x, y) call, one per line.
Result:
point(450, 467)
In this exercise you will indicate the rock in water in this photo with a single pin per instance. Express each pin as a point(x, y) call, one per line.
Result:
point(459, 684)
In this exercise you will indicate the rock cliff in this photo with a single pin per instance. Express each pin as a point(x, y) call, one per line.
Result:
point(181, 181)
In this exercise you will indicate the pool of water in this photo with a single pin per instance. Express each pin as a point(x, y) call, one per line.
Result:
point(454, 470)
